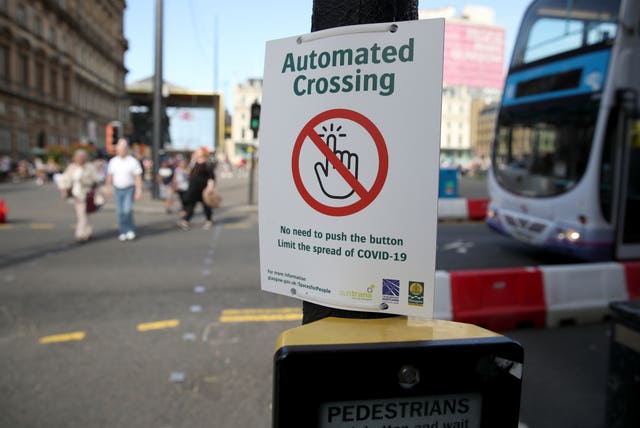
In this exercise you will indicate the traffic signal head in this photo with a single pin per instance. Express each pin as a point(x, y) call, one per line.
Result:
point(254, 124)
point(115, 135)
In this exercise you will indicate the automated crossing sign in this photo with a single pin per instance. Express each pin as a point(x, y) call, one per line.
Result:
point(350, 135)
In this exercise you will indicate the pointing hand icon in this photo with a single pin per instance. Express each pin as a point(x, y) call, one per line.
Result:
point(333, 185)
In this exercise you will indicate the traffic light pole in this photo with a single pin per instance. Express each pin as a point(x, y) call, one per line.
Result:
point(338, 13)
point(254, 125)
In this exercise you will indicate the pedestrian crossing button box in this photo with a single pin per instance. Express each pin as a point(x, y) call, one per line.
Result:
point(388, 373)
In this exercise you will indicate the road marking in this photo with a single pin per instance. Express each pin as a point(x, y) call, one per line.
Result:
point(5, 226)
point(260, 315)
point(65, 337)
point(158, 325)
point(237, 226)
point(41, 226)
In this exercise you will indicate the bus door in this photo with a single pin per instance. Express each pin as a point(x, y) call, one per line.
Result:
point(628, 218)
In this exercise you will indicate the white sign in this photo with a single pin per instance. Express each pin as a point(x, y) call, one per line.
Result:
point(444, 411)
point(350, 136)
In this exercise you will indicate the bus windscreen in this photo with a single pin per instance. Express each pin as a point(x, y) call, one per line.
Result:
point(555, 27)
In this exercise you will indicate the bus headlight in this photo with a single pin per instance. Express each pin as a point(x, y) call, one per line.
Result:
point(572, 235)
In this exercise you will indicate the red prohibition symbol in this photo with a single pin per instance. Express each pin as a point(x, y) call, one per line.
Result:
point(366, 196)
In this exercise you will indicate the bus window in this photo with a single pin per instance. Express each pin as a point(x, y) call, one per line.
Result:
point(550, 37)
point(556, 27)
point(600, 32)
point(544, 151)
point(607, 167)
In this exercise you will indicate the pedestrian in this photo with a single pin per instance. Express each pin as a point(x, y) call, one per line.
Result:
point(201, 173)
point(181, 183)
point(77, 180)
point(165, 184)
point(124, 173)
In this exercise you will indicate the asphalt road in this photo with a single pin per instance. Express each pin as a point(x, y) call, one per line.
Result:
point(171, 330)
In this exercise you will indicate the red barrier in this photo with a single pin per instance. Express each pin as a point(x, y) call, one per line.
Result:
point(499, 299)
point(4, 210)
point(477, 208)
point(632, 274)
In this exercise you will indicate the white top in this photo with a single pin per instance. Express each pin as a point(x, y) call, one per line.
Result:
point(124, 171)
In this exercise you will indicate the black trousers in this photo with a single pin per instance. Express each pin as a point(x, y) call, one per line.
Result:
point(190, 205)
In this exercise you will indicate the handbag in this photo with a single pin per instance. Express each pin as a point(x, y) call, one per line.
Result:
point(94, 200)
point(210, 195)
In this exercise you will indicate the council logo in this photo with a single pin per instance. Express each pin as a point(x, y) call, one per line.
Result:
point(416, 293)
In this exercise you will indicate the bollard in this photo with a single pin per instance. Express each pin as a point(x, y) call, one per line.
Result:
point(378, 373)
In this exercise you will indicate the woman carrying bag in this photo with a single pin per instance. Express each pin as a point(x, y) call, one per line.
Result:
point(79, 180)
point(201, 175)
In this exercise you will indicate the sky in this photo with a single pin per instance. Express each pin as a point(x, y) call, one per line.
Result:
point(243, 27)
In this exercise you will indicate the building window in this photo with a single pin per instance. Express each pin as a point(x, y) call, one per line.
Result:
point(23, 70)
point(37, 26)
point(4, 62)
point(22, 142)
point(21, 15)
point(5, 141)
point(40, 76)
point(66, 89)
point(52, 35)
point(3, 5)
point(53, 85)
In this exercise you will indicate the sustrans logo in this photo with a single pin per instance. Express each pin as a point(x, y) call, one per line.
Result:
point(359, 295)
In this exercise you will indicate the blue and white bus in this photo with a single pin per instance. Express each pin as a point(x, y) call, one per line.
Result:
point(565, 169)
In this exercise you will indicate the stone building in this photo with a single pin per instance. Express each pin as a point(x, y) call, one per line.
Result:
point(472, 78)
point(61, 72)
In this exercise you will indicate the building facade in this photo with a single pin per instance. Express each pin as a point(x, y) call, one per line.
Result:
point(62, 73)
point(473, 76)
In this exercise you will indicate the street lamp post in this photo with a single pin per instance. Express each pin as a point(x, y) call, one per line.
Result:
point(157, 102)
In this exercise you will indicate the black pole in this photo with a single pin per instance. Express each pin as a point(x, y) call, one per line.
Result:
point(338, 13)
point(157, 103)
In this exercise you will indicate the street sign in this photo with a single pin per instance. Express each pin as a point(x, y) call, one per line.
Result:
point(350, 125)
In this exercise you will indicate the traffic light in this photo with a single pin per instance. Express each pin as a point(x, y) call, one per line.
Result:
point(112, 134)
point(115, 135)
point(254, 124)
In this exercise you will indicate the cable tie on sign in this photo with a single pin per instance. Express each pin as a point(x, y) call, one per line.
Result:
point(341, 31)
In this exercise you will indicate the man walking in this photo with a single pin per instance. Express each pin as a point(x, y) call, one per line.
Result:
point(125, 174)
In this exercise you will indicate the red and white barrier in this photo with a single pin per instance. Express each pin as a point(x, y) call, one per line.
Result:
point(4, 211)
point(462, 209)
point(499, 299)
point(546, 296)
point(632, 274)
point(581, 293)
